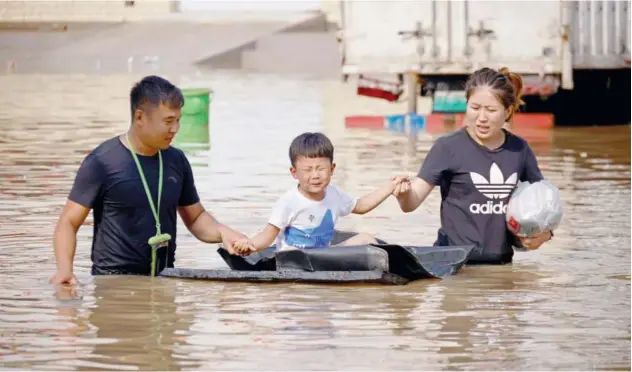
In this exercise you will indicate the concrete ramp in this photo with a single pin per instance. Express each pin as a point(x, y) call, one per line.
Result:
point(308, 48)
point(172, 44)
point(314, 54)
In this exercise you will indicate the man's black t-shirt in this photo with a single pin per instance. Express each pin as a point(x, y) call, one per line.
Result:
point(476, 184)
point(108, 182)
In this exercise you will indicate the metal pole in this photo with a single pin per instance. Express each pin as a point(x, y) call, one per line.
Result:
point(413, 93)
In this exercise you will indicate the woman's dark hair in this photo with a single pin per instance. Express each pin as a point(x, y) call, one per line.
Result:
point(506, 85)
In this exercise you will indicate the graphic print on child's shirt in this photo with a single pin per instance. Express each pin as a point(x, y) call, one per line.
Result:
point(306, 223)
point(318, 237)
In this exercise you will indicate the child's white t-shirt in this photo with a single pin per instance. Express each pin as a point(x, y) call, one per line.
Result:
point(306, 223)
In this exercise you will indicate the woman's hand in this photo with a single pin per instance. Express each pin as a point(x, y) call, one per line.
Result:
point(536, 241)
point(412, 192)
point(400, 184)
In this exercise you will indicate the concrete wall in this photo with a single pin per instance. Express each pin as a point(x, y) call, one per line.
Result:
point(116, 10)
point(82, 10)
point(332, 11)
point(240, 6)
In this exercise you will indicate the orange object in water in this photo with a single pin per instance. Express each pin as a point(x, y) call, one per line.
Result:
point(379, 89)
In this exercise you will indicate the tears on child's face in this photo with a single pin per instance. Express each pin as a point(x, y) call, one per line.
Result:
point(313, 174)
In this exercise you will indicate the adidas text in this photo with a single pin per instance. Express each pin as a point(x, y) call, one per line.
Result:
point(489, 208)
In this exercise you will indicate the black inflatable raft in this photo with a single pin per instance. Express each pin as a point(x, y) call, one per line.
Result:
point(375, 263)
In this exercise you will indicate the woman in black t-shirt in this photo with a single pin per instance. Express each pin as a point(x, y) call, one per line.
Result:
point(477, 168)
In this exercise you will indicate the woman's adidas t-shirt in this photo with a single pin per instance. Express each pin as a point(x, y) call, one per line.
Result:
point(476, 184)
point(306, 223)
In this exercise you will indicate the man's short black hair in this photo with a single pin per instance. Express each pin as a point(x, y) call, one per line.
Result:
point(154, 90)
point(311, 145)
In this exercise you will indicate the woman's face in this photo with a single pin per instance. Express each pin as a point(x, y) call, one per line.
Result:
point(485, 115)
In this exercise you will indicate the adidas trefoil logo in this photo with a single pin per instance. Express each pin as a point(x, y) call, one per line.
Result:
point(494, 188)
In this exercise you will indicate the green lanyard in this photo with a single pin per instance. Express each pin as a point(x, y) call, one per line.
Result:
point(159, 240)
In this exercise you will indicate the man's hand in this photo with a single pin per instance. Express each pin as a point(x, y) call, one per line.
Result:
point(65, 241)
point(229, 237)
point(206, 228)
point(244, 247)
point(63, 277)
point(536, 241)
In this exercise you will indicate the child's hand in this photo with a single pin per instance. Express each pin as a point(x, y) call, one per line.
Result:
point(243, 247)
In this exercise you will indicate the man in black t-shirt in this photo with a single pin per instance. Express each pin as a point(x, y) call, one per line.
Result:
point(135, 183)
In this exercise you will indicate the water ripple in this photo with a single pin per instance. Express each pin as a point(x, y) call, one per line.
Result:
point(566, 306)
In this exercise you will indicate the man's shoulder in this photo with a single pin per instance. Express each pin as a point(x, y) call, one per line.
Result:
point(104, 150)
point(110, 144)
point(176, 155)
point(102, 153)
point(174, 152)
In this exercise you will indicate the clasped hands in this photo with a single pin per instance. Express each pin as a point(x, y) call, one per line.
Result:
point(401, 184)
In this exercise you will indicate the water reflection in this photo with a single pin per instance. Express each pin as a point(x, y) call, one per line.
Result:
point(566, 306)
point(150, 323)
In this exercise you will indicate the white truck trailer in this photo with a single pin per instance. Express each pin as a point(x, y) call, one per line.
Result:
point(579, 47)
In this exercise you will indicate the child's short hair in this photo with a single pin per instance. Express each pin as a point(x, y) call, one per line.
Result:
point(311, 145)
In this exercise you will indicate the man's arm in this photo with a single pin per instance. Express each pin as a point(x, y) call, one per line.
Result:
point(85, 192)
point(65, 239)
point(279, 218)
point(206, 228)
point(200, 223)
point(197, 220)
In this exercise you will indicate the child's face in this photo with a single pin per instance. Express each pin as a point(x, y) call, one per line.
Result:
point(313, 174)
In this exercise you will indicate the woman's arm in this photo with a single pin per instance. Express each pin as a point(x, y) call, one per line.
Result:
point(411, 197)
point(531, 174)
point(531, 171)
point(437, 163)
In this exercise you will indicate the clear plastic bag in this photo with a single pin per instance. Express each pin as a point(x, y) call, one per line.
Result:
point(534, 208)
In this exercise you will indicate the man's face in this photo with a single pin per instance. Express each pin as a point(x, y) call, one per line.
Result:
point(159, 125)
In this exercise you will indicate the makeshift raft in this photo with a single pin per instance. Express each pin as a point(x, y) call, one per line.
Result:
point(376, 264)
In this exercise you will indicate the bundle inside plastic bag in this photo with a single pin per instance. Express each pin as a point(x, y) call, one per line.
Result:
point(534, 208)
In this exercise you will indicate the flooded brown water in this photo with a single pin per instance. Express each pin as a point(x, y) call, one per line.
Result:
point(565, 306)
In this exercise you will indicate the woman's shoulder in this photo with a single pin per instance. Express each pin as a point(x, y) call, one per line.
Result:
point(449, 141)
point(515, 142)
point(452, 137)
